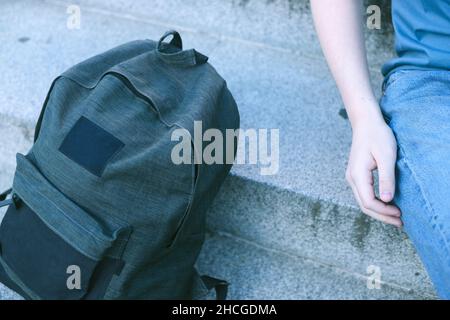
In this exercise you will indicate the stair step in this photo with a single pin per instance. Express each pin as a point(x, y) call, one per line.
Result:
point(302, 226)
point(15, 138)
point(257, 273)
point(260, 274)
point(280, 24)
point(7, 294)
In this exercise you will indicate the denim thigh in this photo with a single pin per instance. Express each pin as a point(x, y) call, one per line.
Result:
point(416, 105)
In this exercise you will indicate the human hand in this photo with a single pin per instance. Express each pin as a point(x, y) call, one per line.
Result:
point(374, 147)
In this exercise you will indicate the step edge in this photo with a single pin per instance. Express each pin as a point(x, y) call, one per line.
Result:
point(336, 269)
point(147, 19)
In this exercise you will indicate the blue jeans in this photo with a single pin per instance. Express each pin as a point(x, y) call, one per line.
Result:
point(416, 105)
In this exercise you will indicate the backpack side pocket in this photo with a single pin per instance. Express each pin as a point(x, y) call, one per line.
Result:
point(53, 249)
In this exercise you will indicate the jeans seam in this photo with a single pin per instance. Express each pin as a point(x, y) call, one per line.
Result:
point(425, 199)
point(391, 80)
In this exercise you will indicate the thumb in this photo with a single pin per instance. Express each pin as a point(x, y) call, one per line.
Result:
point(386, 177)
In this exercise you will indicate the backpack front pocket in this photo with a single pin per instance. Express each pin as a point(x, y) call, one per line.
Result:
point(51, 248)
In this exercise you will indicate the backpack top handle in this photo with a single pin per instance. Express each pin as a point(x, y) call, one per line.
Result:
point(176, 39)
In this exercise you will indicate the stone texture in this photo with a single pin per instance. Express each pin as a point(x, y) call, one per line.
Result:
point(6, 294)
point(255, 273)
point(281, 24)
point(15, 138)
point(38, 47)
point(315, 229)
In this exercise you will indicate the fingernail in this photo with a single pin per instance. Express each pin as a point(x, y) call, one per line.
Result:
point(386, 196)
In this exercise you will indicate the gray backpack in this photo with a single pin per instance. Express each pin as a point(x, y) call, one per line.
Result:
point(99, 209)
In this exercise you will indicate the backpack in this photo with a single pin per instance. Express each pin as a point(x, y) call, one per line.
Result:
point(98, 209)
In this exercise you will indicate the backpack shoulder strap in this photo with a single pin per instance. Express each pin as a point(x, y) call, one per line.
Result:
point(221, 286)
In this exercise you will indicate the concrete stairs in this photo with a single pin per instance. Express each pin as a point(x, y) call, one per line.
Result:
point(294, 235)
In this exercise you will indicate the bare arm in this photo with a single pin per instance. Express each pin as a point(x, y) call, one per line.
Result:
point(339, 27)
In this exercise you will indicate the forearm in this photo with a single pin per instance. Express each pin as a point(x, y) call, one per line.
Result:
point(339, 27)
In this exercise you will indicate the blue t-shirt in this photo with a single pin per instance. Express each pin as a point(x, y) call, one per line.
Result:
point(422, 35)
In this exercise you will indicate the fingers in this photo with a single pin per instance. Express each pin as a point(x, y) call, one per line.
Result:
point(392, 220)
point(361, 181)
point(386, 176)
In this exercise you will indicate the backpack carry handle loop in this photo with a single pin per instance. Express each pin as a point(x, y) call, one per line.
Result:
point(4, 201)
point(176, 40)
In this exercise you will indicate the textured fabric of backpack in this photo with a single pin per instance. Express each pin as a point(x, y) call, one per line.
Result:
point(98, 209)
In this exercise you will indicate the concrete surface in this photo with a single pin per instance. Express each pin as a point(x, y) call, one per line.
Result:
point(319, 230)
point(268, 53)
point(256, 273)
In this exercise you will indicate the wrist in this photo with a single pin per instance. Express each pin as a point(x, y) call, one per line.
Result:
point(367, 114)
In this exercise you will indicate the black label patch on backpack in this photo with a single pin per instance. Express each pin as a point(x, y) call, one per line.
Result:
point(90, 146)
